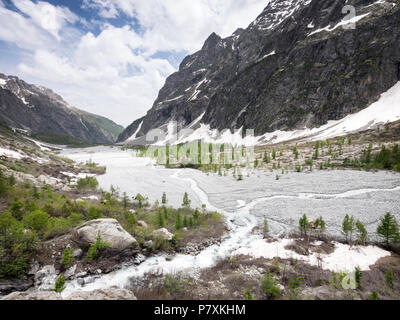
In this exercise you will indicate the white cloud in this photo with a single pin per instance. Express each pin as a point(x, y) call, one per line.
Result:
point(182, 24)
point(46, 16)
point(113, 73)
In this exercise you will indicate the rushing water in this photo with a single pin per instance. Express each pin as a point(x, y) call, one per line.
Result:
point(245, 204)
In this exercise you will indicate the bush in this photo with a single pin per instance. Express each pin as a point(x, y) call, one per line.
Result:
point(96, 249)
point(16, 247)
point(59, 286)
point(88, 183)
point(94, 213)
point(248, 295)
point(270, 286)
point(36, 220)
point(374, 296)
point(66, 258)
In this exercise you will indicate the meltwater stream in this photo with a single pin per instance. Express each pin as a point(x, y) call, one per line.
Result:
point(244, 204)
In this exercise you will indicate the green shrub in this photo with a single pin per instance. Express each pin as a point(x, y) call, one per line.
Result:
point(36, 220)
point(16, 247)
point(389, 276)
point(248, 295)
point(374, 296)
point(270, 286)
point(88, 183)
point(96, 249)
point(66, 258)
point(94, 213)
point(59, 286)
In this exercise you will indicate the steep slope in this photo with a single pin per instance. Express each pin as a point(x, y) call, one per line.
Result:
point(297, 65)
point(45, 115)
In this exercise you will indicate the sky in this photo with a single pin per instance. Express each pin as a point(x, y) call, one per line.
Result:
point(111, 57)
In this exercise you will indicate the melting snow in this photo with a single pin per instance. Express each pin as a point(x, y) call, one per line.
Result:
point(341, 23)
point(10, 153)
point(133, 137)
point(343, 258)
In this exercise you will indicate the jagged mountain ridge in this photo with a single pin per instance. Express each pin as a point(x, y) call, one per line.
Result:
point(43, 113)
point(292, 67)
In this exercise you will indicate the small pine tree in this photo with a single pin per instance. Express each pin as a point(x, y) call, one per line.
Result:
point(266, 228)
point(389, 276)
point(303, 225)
point(59, 286)
point(186, 201)
point(348, 227)
point(362, 234)
point(185, 222)
point(320, 225)
point(178, 221)
point(164, 199)
point(160, 219)
point(66, 258)
point(358, 276)
point(388, 229)
point(374, 296)
point(248, 295)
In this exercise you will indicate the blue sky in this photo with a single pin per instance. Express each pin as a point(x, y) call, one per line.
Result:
point(111, 57)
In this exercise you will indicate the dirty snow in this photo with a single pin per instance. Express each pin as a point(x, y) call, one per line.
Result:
point(10, 153)
point(344, 258)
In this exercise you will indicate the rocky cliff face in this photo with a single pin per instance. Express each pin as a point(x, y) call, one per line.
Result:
point(298, 64)
point(45, 114)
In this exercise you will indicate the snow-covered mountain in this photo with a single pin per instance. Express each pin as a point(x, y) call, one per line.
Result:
point(300, 66)
point(45, 115)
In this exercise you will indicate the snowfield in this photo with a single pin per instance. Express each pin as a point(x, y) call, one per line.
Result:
point(344, 258)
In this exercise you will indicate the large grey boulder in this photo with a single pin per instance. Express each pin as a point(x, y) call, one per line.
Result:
point(36, 295)
point(113, 293)
point(163, 233)
point(110, 231)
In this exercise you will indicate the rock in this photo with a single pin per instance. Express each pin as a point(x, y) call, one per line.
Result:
point(81, 274)
point(45, 278)
point(7, 287)
point(98, 271)
point(77, 253)
point(70, 272)
point(163, 233)
point(37, 295)
point(113, 293)
point(110, 231)
point(80, 281)
point(139, 259)
point(141, 223)
point(34, 268)
point(148, 244)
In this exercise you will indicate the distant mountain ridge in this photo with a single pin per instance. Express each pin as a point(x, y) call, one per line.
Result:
point(295, 66)
point(45, 115)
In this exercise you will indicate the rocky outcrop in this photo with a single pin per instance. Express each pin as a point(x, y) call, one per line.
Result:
point(113, 293)
point(46, 116)
point(294, 66)
point(36, 295)
point(110, 231)
point(163, 233)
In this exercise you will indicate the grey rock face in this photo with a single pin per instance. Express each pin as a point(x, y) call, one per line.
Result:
point(43, 113)
point(280, 73)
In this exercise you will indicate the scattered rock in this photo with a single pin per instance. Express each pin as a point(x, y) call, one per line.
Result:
point(45, 278)
point(7, 287)
point(37, 295)
point(70, 272)
point(77, 253)
point(110, 231)
point(163, 233)
point(139, 259)
point(148, 244)
point(113, 293)
point(141, 223)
